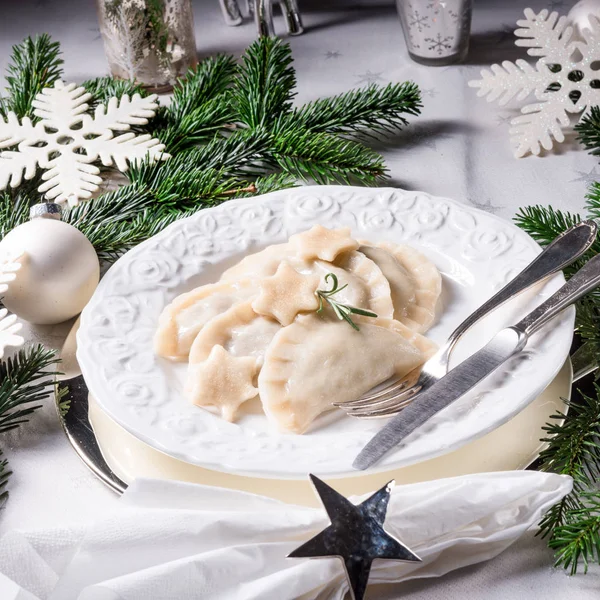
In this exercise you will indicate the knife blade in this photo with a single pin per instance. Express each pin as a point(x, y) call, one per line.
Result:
point(446, 390)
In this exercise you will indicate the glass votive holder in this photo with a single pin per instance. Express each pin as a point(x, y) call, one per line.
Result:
point(436, 31)
point(148, 41)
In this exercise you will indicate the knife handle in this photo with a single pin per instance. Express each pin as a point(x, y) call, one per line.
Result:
point(560, 253)
point(584, 281)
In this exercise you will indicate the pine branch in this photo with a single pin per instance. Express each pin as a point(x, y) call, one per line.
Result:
point(5, 474)
point(103, 89)
point(201, 85)
point(371, 111)
point(34, 64)
point(588, 129)
point(13, 212)
point(265, 83)
point(24, 381)
point(324, 158)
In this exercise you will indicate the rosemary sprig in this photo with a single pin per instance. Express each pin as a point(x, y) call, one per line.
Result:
point(342, 311)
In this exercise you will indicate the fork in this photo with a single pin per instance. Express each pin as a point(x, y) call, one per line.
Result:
point(563, 251)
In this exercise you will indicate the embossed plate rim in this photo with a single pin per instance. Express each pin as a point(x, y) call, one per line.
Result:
point(436, 225)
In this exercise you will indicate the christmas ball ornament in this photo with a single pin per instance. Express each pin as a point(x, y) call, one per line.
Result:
point(59, 268)
point(579, 15)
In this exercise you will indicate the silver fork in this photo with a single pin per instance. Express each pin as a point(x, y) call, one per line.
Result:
point(563, 251)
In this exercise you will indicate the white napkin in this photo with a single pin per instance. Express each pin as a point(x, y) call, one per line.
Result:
point(172, 540)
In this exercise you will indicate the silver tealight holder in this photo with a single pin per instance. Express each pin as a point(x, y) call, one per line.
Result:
point(436, 31)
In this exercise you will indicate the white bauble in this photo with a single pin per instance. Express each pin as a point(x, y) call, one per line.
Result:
point(59, 272)
point(579, 15)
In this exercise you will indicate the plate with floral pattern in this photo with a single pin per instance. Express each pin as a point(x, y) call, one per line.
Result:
point(476, 253)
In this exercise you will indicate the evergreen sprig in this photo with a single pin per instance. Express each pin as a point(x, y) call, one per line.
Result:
point(573, 525)
point(34, 65)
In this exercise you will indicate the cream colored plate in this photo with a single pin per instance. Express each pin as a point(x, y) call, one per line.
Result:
point(514, 445)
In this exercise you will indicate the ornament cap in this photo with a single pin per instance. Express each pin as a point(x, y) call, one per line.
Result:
point(45, 210)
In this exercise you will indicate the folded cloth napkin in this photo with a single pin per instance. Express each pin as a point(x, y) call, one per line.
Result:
point(174, 541)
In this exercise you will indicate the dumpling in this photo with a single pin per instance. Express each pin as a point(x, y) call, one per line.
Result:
point(315, 362)
point(379, 294)
point(242, 334)
point(415, 282)
point(182, 319)
point(239, 330)
point(322, 243)
point(260, 264)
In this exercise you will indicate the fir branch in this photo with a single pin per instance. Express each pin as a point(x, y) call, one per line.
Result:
point(4, 477)
point(370, 111)
point(588, 129)
point(267, 184)
point(62, 399)
point(265, 82)
point(201, 85)
point(544, 223)
point(103, 89)
point(13, 211)
point(24, 381)
point(34, 64)
point(324, 158)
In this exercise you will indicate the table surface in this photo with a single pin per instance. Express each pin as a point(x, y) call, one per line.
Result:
point(458, 148)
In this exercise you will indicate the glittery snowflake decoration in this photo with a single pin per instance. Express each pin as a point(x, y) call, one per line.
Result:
point(562, 81)
point(66, 141)
point(8, 331)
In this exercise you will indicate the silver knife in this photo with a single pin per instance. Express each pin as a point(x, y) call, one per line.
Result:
point(472, 370)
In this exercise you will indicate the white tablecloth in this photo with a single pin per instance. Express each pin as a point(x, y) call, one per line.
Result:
point(458, 148)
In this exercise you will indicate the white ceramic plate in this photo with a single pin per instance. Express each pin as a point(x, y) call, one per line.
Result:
point(476, 252)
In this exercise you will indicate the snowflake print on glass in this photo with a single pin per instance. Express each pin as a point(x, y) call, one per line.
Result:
point(562, 81)
point(67, 140)
point(418, 21)
point(439, 43)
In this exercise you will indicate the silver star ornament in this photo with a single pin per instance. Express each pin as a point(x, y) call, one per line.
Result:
point(356, 535)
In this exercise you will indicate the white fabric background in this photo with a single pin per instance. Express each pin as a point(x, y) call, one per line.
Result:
point(458, 148)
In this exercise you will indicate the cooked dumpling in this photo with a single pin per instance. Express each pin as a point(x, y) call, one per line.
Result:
point(315, 362)
point(242, 334)
point(260, 264)
point(239, 330)
point(182, 319)
point(322, 243)
point(415, 282)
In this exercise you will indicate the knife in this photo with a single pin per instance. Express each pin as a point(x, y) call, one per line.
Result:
point(467, 374)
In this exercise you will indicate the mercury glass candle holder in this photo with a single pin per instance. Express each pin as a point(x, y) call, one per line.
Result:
point(436, 31)
point(148, 41)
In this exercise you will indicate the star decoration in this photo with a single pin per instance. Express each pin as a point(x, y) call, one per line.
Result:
point(332, 54)
point(323, 243)
point(587, 178)
point(356, 535)
point(286, 293)
point(222, 380)
point(369, 77)
point(8, 330)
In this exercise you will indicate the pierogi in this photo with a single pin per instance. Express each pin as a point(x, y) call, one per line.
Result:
point(317, 320)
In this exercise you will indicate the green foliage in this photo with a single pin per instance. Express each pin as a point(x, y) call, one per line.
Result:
point(573, 525)
point(588, 129)
point(24, 382)
point(63, 402)
point(34, 65)
point(232, 131)
point(4, 477)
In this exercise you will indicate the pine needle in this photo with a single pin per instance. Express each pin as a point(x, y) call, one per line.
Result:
point(5, 474)
point(103, 89)
point(24, 382)
point(265, 82)
point(34, 65)
point(588, 129)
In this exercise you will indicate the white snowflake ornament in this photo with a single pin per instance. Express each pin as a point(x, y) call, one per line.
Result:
point(67, 140)
point(562, 81)
point(10, 263)
point(8, 331)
